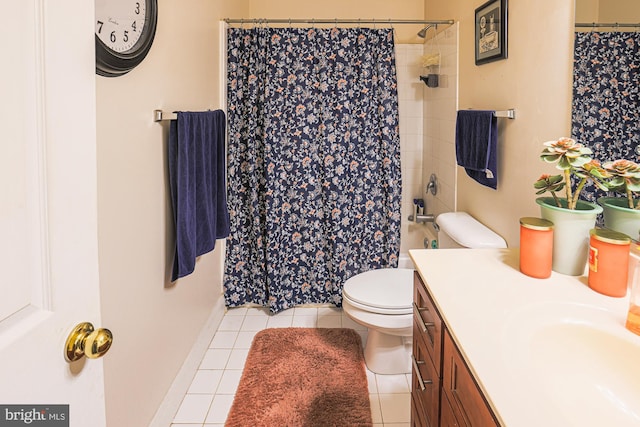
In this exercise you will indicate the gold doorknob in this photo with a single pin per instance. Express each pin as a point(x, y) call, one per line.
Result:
point(84, 340)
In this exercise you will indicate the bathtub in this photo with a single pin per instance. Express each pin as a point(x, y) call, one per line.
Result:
point(404, 261)
point(427, 238)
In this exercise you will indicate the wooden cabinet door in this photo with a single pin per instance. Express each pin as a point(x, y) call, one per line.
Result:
point(447, 417)
point(466, 399)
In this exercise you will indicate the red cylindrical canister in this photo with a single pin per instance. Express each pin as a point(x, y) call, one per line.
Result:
point(608, 262)
point(536, 247)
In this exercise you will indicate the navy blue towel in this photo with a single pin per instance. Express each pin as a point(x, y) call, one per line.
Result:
point(198, 188)
point(477, 145)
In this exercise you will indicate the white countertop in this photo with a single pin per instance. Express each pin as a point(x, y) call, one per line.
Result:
point(512, 331)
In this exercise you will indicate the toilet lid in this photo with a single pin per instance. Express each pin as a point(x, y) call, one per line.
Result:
point(388, 290)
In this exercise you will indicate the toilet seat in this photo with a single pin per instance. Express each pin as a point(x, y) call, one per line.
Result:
point(383, 291)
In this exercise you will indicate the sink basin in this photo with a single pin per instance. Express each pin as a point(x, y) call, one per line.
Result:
point(572, 354)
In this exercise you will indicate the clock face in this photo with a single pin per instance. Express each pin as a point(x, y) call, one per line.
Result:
point(120, 23)
point(124, 33)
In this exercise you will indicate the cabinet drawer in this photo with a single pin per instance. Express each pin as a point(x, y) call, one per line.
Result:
point(427, 322)
point(468, 404)
point(425, 383)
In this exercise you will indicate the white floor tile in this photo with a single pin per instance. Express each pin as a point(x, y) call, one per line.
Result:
point(300, 321)
point(389, 384)
point(205, 381)
point(237, 358)
point(237, 311)
point(223, 339)
point(396, 408)
point(229, 381)
point(376, 413)
point(231, 323)
point(219, 409)
point(215, 358)
point(329, 311)
point(245, 338)
point(371, 379)
point(258, 311)
point(254, 323)
point(278, 321)
point(194, 408)
point(305, 311)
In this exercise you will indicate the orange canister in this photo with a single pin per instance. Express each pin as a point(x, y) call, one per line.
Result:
point(536, 247)
point(608, 262)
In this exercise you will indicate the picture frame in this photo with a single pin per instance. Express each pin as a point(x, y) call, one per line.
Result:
point(491, 31)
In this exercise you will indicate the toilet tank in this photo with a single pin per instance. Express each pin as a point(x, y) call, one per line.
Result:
point(461, 230)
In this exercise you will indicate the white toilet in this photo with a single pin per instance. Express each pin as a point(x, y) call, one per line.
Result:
point(382, 299)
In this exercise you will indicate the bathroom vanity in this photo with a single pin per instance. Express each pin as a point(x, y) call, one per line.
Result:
point(494, 347)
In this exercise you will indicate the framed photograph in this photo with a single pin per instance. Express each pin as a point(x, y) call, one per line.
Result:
point(491, 31)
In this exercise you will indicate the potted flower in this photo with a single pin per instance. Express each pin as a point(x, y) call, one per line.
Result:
point(572, 217)
point(622, 213)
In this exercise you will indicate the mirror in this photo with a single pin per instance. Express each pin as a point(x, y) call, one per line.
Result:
point(605, 116)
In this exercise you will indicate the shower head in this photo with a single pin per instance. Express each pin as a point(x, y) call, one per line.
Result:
point(423, 32)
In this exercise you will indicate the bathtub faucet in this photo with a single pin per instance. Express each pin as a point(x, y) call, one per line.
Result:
point(422, 218)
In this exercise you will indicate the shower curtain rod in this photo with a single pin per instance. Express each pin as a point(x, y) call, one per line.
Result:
point(336, 21)
point(607, 24)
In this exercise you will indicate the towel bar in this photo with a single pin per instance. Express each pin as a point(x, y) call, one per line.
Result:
point(509, 114)
point(159, 115)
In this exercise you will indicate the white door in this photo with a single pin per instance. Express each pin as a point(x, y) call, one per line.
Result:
point(48, 212)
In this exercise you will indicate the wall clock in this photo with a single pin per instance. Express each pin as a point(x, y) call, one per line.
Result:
point(124, 33)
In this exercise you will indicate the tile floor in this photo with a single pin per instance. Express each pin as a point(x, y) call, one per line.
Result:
point(210, 396)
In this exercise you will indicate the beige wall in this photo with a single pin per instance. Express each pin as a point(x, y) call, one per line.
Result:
point(154, 323)
point(346, 9)
point(536, 81)
point(618, 11)
point(610, 11)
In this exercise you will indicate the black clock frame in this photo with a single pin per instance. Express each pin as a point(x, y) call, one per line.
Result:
point(114, 64)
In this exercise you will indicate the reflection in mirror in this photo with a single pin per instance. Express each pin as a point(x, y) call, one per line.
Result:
point(606, 89)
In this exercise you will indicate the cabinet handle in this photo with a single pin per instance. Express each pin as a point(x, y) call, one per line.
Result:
point(415, 367)
point(416, 312)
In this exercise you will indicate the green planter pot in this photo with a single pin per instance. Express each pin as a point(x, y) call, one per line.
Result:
point(619, 217)
point(570, 234)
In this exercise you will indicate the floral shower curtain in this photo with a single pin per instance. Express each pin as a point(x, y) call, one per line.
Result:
point(606, 96)
point(313, 162)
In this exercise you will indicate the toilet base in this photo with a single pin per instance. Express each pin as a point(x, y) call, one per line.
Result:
point(387, 354)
